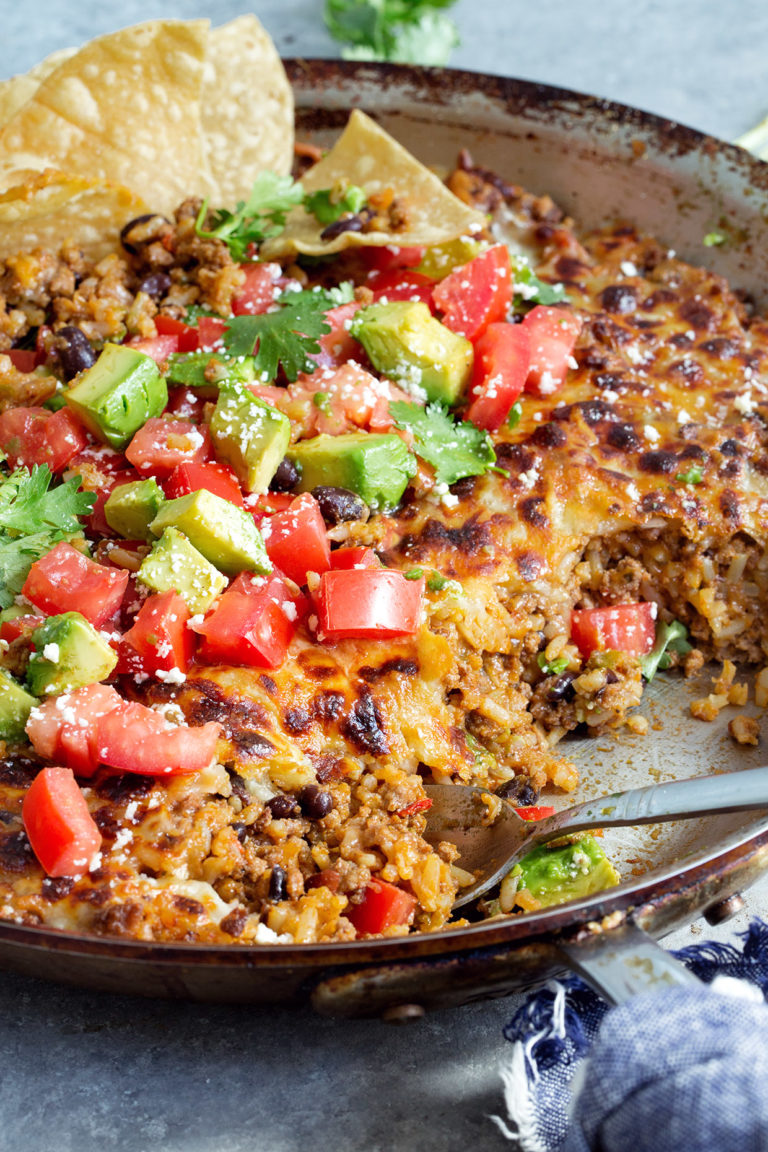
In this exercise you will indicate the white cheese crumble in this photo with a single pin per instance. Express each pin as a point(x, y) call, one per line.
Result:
point(51, 652)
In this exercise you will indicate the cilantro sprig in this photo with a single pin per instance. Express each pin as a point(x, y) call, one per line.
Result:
point(329, 204)
point(406, 31)
point(33, 517)
point(672, 637)
point(285, 338)
point(455, 449)
point(258, 218)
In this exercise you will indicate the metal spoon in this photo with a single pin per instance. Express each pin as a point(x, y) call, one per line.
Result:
point(489, 850)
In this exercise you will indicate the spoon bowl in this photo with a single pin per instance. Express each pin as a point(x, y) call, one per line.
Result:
point(492, 837)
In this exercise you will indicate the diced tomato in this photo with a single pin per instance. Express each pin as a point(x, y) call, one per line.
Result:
point(186, 403)
point(210, 331)
point(23, 359)
point(297, 539)
point(406, 285)
point(619, 628)
point(65, 728)
point(66, 581)
point(36, 436)
point(14, 629)
point(477, 294)
point(266, 504)
point(160, 445)
point(368, 603)
point(101, 458)
point(337, 346)
point(423, 805)
point(159, 639)
point(553, 333)
point(354, 558)
point(259, 291)
point(383, 906)
point(158, 347)
point(133, 738)
point(61, 830)
point(502, 362)
point(251, 623)
point(97, 521)
point(535, 812)
point(187, 335)
point(191, 476)
point(387, 257)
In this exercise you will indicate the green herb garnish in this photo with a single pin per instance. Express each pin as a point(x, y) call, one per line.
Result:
point(407, 31)
point(694, 475)
point(285, 338)
point(671, 637)
point(552, 667)
point(515, 415)
point(258, 218)
point(330, 204)
point(413, 574)
point(714, 239)
point(529, 289)
point(454, 449)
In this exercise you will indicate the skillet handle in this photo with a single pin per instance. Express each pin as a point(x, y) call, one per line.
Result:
point(624, 962)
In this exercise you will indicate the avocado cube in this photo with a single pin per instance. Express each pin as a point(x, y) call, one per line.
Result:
point(130, 508)
point(250, 435)
point(175, 564)
point(69, 653)
point(375, 466)
point(554, 874)
point(225, 534)
point(118, 394)
point(405, 342)
point(15, 707)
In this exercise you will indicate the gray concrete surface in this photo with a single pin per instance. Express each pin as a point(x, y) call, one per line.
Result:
point(83, 1072)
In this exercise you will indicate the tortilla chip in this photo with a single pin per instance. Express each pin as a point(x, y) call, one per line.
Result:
point(368, 156)
point(54, 207)
point(124, 109)
point(14, 93)
point(247, 109)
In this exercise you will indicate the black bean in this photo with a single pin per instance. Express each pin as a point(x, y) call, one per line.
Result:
point(143, 230)
point(519, 791)
point(562, 688)
point(315, 803)
point(339, 227)
point(286, 477)
point(240, 829)
point(73, 350)
point(339, 504)
point(155, 285)
point(278, 889)
point(282, 807)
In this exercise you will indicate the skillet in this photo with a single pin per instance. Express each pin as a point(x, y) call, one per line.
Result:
point(599, 160)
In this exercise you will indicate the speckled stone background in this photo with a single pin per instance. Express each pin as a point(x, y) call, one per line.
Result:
point(84, 1072)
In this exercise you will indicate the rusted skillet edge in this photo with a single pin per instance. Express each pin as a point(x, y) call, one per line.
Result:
point(665, 902)
point(442, 87)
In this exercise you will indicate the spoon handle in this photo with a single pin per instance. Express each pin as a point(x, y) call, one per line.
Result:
point(698, 796)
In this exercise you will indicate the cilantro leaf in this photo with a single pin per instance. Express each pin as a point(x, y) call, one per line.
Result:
point(694, 475)
point(529, 289)
point(453, 449)
point(330, 204)
point(671, 637)
point(258, 218)
point(406, 31)
point(284, 338)
point(552, 667)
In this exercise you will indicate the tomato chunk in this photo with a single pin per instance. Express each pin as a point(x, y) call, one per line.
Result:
point(133, 738)
point(61, 830)
point(159, 639)
point(535, 812)
point(23, 359)
point(186, 335)
point(65, 728)
point(355, 558)
point(621, 628)
point(368, 603)
point(161, 445)
point(192, 475)
point(36, 436)
point(259, 291)
point(477, 294)
point(297, 540)
point(251, 623)
point(210, 331)
point(66, 581)
point(553, 333)
point(389, 256)
point(383, 906)
point(337, 346)
point(406, 285)
point(502, 362)
point(158, 347)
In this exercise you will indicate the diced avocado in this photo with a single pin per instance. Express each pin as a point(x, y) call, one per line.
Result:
point(174, 563)
point(250, 435)
point(566, 871)
point(208, 369)
point(118, 394)
point(375, 466)
point(12, 612)
point(441, 259)
point(69, 653)
point(225, 534)
point(405, 342)
point(130, 508)
point(15, 707)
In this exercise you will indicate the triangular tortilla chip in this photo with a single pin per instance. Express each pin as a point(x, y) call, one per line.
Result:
point(368, 156)
point(54, 207)
point(246, 108)
point(125, 108)
point(15, 92)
